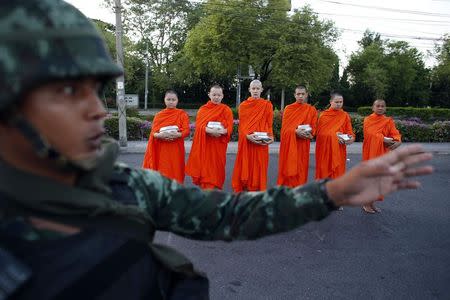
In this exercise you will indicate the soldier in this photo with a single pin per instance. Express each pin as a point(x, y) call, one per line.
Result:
point(76, 225)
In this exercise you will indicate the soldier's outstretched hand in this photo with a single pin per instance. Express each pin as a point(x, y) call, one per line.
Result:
point(381, 176)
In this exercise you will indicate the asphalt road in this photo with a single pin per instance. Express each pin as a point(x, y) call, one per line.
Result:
point(402, 253)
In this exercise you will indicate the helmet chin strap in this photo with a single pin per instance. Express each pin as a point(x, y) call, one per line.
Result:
point(44, 150)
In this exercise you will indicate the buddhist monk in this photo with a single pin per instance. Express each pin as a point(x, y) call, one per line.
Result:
point(380, 136)
point(255, 135)
point(165, 149)
point(213, 128)
point(334, 132)
point(297, 130)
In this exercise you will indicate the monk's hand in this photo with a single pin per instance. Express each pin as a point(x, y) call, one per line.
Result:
point(381, 176)
point(215, 132)
point(267, 142)
point(394, 145)
point(161, 135)
point(302, 133)
point(388, 143)
point(350, 141)
point(253, 138)
point(340, 140)
point(171, 136)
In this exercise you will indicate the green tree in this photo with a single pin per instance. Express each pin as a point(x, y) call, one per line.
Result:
point(305, 55)
point(440, 76)
point(391, 70)
point(133, 64)
point(367, 75)
point(283, 49)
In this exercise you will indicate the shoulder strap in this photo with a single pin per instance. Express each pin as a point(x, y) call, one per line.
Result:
point(13, 274)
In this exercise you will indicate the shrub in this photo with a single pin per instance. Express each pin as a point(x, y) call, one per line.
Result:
point(132, 113)
point(235, 112)
point(277, 119)
point(425, 114)
point(413, 131)
point(441, 131)
point(134, 128)
point(357, 124)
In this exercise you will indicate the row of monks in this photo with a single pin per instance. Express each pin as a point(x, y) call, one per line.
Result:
point(332, 131)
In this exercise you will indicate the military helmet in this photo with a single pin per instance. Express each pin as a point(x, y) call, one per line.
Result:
point(47, 40)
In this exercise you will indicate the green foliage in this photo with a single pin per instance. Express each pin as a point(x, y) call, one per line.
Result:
point(424, 114)
point(235, 112)
point(411, 130)
point(135, 130)
point(277, 120)
point(132, 113)
point(283, 50)
point(357, 125)
point(415, 131)
point(440, 76)
point(441, 131)
point(391, 70)
point(304, 53)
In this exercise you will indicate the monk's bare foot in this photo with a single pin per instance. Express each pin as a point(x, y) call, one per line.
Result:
point(376, 209)
point(368, 209)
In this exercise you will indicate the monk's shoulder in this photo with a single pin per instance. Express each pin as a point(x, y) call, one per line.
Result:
point(183, 113)
point(311, 108)
point(225, 107)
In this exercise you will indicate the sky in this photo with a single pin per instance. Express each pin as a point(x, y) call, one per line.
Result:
point(420, 22)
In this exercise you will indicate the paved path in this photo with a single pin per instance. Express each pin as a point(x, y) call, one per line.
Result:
point(402, 253)
point(140, 146)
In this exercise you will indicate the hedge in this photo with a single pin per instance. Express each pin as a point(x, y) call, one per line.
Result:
point(425, 114)
point(412, 130)
point(137, 129)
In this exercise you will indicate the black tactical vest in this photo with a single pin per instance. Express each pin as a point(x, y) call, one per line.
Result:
point(93, 264)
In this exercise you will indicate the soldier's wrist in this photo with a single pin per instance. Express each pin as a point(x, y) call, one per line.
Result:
point(324, 188)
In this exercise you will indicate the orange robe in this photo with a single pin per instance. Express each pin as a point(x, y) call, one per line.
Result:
point(167, 157)
point(375, 128)
point(330, 155)
point(294, 151)
point(252, 160)
point(206, 163)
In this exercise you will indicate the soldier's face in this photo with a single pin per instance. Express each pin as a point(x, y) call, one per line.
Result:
point(69, 115)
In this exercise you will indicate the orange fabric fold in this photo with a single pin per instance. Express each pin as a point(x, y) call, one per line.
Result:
point(375, 128)
point(293, 161)
point(330, 155)
point(167, 157)
point(252, 160)
point(207, 160)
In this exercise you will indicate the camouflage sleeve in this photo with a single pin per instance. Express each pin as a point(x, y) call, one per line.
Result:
point(217, 215)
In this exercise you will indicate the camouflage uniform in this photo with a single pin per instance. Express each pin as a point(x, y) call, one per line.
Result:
point(117, 208)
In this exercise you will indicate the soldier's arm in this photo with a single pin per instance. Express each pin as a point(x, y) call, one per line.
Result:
point(217, 215)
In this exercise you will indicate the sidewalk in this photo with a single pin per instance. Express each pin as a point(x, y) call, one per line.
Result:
point(137, 147)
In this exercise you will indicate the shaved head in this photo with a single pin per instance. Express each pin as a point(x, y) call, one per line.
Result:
point(255, 82)
point(378, 101)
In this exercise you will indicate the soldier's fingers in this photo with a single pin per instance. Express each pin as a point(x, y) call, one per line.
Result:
point(412, 159)
point(400, 154)
point(419, 171)
point(409, 184)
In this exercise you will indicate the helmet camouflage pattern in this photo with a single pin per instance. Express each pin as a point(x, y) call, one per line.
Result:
point(46, 40)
